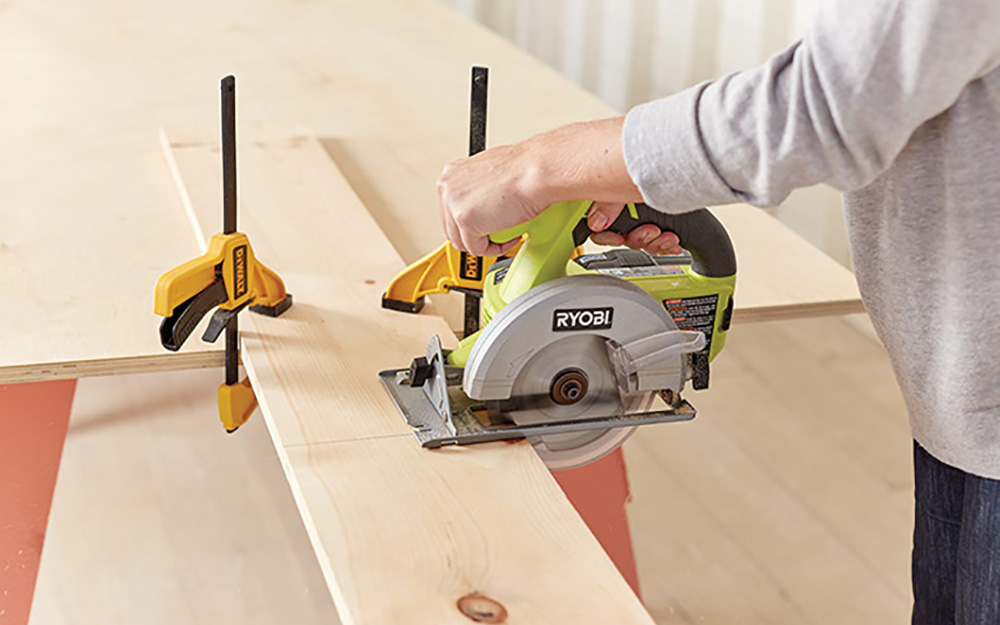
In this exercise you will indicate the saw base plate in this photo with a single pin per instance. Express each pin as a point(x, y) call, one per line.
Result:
point(432, 430)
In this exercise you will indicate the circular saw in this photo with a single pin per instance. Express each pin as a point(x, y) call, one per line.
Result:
point(576, 351)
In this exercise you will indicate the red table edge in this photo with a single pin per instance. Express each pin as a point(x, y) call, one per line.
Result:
point(34, 417)
point(599, 491)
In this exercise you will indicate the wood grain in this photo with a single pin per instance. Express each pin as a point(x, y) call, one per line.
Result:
point(90, 218)
point(780, 275)
point(148, 492)
point(162, 518)
point(789, 498)
point(151, 489)
point(400, 532)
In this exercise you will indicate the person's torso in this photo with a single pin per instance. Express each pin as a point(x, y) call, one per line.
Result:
point(925, 237)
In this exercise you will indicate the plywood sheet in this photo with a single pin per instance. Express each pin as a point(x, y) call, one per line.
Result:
point(89, 216)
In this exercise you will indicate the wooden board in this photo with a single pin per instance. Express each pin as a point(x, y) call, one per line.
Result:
point(160, 517)
point(150, 487)
point(792, 489)
point(401, 533)
point(780, 275)
point(89, 216)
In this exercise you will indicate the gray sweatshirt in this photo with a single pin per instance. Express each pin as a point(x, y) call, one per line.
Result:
point(897, 103)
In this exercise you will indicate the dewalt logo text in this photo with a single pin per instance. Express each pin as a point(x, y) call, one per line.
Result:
point(240, 270)
point(472, 267)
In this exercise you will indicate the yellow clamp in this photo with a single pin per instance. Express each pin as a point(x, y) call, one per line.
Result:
point(227, 276)
point(440, 271)
point(229, 258)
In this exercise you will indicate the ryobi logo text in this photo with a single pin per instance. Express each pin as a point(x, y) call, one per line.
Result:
point(240, 271)
point(582, 319)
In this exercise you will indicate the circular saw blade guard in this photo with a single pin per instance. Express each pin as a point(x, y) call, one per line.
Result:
point(585, 323)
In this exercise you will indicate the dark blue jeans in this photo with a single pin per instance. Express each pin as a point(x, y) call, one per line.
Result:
point(956, 545)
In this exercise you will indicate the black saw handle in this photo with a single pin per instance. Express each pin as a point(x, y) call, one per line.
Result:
point(700, 233)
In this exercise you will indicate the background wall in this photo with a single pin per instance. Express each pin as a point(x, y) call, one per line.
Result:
point(630, 51)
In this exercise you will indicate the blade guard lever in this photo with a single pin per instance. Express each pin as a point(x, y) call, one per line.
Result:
point(646, 354)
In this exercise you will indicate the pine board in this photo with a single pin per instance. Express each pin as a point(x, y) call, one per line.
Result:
point(762, 510)
point(159, 517)
point(150, 488)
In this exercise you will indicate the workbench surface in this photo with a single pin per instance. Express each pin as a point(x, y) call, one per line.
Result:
point(90, 215)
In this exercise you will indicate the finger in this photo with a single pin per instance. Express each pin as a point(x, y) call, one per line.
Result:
point(612, 239)
point(472, 241)
point(498, 249)
point(508, 246)
point(603, 214)
point(485, 247)
point(641, 236)
point(447, 221)
point(478, 244)
point(666, 243)
point(454, 234)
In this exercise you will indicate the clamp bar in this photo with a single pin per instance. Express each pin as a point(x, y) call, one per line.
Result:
point(477, 143)
point(229, 213)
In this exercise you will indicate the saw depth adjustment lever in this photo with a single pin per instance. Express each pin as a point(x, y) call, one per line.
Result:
point(227, 277)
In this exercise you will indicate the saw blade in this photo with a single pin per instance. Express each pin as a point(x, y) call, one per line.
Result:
point(532, 401)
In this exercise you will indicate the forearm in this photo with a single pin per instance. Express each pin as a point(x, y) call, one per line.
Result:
point(577, 162)
point(838, 107)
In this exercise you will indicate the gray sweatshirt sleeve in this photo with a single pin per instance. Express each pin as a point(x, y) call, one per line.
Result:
point(836, 107)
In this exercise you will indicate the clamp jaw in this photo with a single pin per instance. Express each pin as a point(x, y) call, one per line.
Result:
point(446, 269)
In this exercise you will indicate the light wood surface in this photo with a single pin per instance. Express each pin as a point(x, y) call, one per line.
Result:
point(789, 498)
point(780, 275)
point(90, 219)
point(161, 518)
point(401, 533)
point(755, 513)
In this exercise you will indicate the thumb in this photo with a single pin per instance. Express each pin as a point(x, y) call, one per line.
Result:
point(602, 214)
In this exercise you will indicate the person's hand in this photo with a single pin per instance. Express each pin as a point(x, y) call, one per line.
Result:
point(647, 237)
point(508, 185)
point(486, 193)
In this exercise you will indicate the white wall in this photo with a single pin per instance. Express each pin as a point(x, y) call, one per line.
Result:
point(630, 51)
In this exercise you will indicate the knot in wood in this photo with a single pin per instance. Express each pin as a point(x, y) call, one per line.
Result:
point(482, 609)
